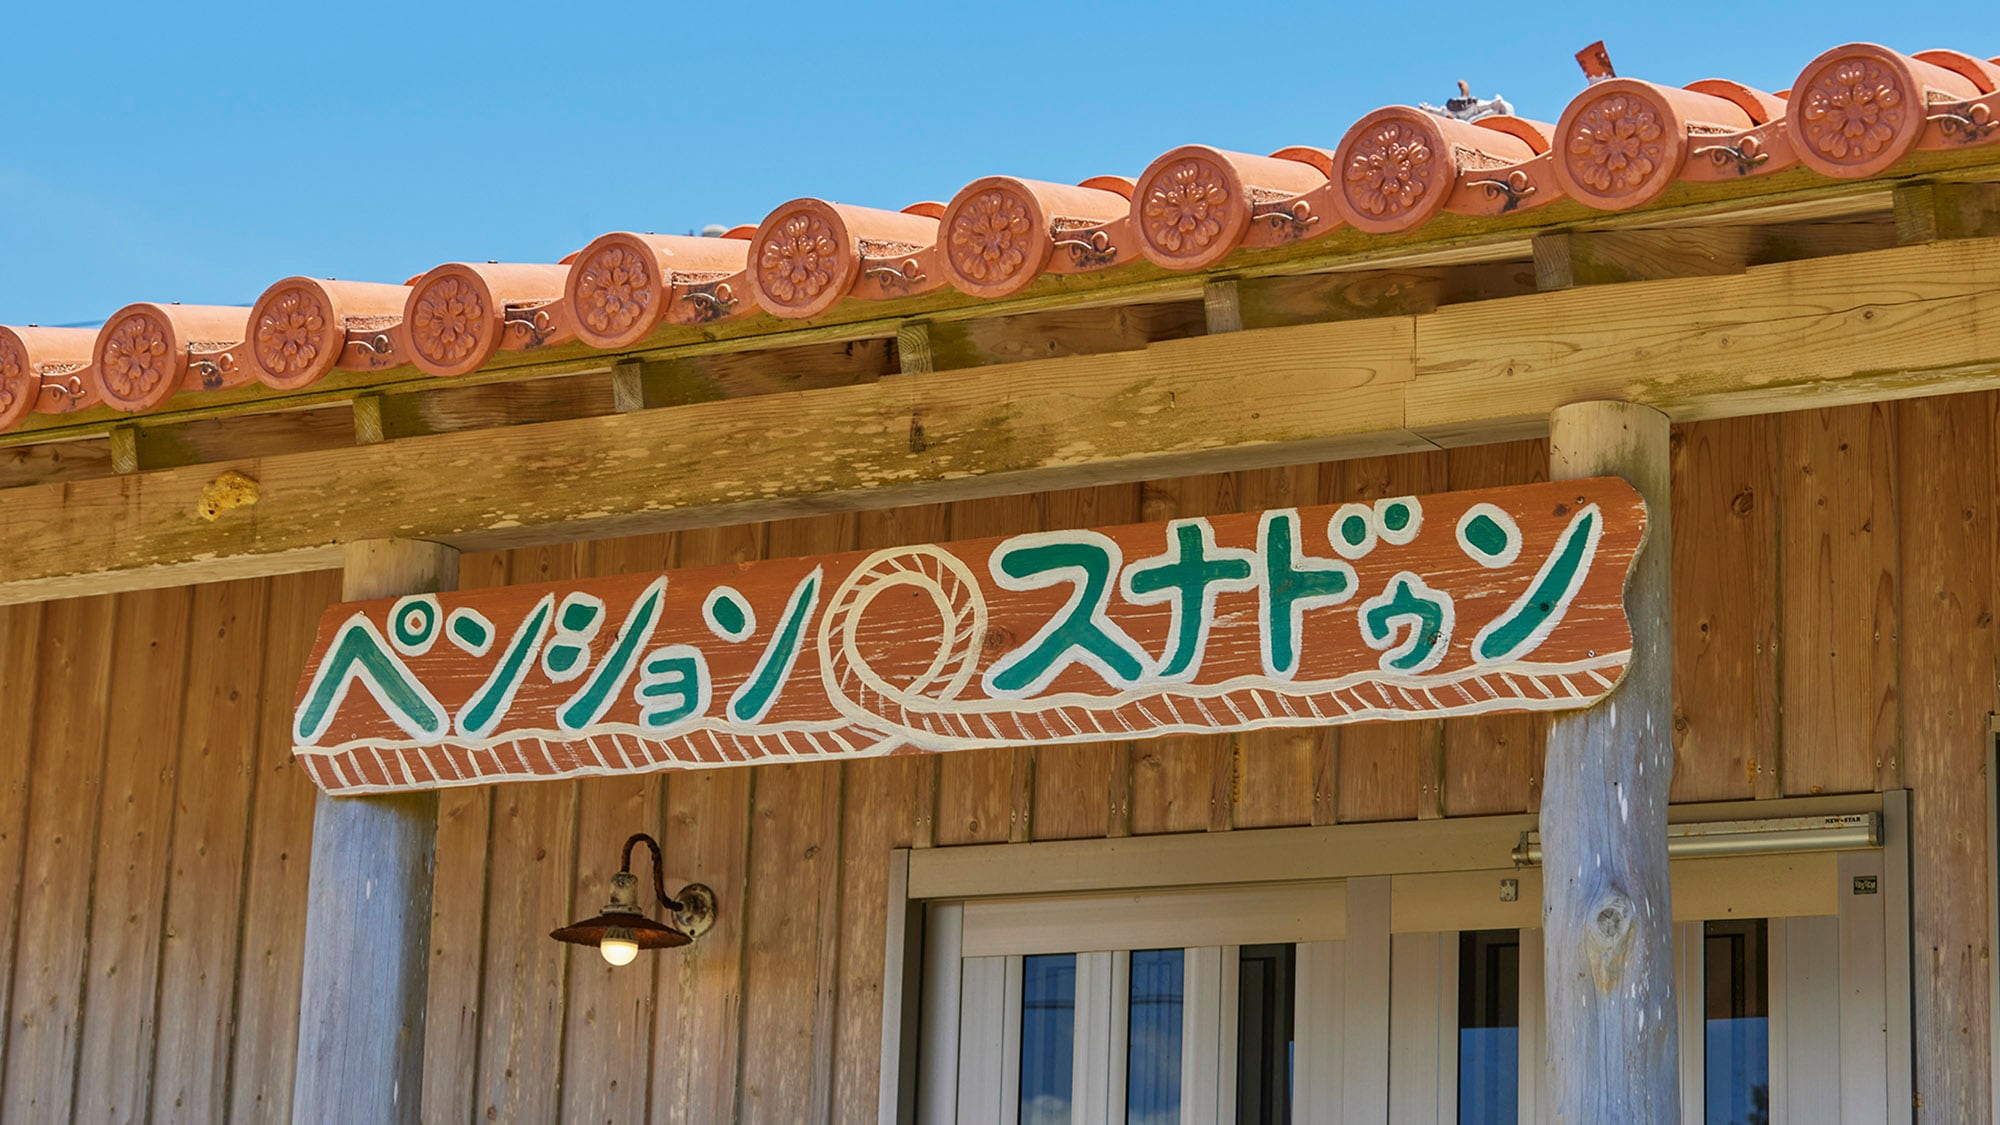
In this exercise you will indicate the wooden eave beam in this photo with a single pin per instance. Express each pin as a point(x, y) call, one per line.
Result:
point(1888, 324)
point(1795, 193)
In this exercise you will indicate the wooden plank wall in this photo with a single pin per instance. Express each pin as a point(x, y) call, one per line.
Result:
point(1835, 584)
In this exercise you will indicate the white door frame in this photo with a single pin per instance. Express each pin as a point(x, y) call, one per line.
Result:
point(1401, 871)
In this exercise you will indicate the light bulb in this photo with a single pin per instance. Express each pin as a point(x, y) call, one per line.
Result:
point(618, 950)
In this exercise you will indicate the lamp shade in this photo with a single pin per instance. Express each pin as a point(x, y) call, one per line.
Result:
point(639, 929)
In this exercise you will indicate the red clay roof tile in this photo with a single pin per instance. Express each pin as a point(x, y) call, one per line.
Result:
point(304, 328)
point(146, 353)
point(1854, 112)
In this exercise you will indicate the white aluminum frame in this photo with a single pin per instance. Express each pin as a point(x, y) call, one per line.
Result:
point(1389, 888)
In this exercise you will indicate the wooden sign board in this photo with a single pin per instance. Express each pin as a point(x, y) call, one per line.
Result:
point(1414, 607)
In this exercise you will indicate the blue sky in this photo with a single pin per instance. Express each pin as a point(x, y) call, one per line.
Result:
point(198, 152)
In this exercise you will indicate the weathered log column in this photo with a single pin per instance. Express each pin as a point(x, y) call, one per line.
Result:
point(1607, 924)
point(368, 910)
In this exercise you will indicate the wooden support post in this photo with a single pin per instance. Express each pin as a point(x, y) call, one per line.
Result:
point(368, 910)
point(1607, 924)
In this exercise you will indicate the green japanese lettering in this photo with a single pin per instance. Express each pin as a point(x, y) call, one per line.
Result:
point(589, 705)
point(760, 691)
point(482, 713)
point(360, 654)
point(1410, 610)
point(1188, 577)
point(1530, 619)
point(1291, 583)
point(1081, 632)
point(673, 687)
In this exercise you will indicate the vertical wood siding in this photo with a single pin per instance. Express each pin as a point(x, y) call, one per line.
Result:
point(1835, 585)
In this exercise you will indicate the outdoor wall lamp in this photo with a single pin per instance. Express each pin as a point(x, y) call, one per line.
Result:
point(622, 930)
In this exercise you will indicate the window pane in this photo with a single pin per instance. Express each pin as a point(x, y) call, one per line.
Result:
point(1736, 1035)
point(1489, 1027)
point(1153, 1063)
point(1264, 1034)
point(1048, 1036)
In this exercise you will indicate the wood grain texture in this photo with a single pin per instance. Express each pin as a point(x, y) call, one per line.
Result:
point(895, 527)
point(1085, 791)
point(443, 408)
point(1272, 771)
point(1492, 763)
point(792, 909)
point(533, 860)
point(204, 907)
point(456, 978)
point(1776, 337)
point(20, 663)
point(60, 843)
point(1177, 406)
point(609, 1013)
point(976, 789)
point(1887, 324)
point(55, 462)
point(792, 950)
point(262, 435)
point(275, 879)
point(1839, 556)
point(1182, 783)
point(733, 375)
point(1607, 927)
point(1926, 212)
point(1415, 620)
point(362, 993)
point(1949, 650)
point(1382, 775)
point(1565, 259)
point(533, 856)
point(150, 656)
point(124, 443)
point(361, 1015)
point(876, 819)
point(698, 1031)
point(879, 814)
point(1060, 332)
point(1726, 639)
point(1269, 302)
point(698, 1042)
